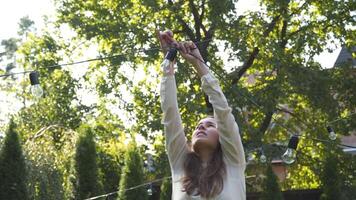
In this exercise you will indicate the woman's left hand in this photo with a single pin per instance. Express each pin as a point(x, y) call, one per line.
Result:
point(190, 53)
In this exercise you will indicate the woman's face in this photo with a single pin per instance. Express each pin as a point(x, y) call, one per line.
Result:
point(206, 134)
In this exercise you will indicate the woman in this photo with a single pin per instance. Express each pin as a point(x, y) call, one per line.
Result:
point(213, 166)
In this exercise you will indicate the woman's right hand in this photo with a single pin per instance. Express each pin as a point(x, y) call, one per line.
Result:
point(166, 40)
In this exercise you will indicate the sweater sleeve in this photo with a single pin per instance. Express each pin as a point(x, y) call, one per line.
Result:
point(176, 142)
point(229, 137)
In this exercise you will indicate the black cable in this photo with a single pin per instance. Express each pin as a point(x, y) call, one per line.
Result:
point(158, 48)
point(128, 189)
point(94, 59)
point(282, 125)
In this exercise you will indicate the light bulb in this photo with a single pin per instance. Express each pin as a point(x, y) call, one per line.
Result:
point(289, 156)
point(35, 89)
point(250, 157)
point(332, 134)
point(149, 191)
point(263, 158)
point(169, 58)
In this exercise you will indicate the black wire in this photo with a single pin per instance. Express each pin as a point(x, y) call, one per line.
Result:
point(95, 59)
point(340, 118)
point(276, 122)
point(128, 189)
point(158, 48)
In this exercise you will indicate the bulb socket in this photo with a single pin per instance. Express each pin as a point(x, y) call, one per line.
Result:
point(34, 78)
point(171, 54)
point(330, 129)
point(293, 142)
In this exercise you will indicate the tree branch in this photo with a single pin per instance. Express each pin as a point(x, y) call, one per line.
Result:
point(237, 74)
point(202, 14)
point(197, 19)
point(265, 123)
point(186, 27)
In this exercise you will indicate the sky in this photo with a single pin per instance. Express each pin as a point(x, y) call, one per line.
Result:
point(12, 11)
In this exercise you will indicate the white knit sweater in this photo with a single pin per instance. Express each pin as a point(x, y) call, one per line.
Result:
point(176, 143)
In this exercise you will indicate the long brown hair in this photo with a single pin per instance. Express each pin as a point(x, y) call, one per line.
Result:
point(209, 181)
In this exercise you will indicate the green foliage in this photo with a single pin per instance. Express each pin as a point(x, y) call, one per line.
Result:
point(331, 179)
point(132, 175)
point(50, 167)
point(45, 181)
point(25, 25)
point(276, 46)
point(13, 176)
point(110, 172)
point(166, 190)
point(270, 185)
point(86, 169)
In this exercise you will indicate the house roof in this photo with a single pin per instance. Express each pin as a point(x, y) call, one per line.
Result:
point(346, 56)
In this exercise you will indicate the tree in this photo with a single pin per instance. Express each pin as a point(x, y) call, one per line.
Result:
point(270, 185)
point(276, 46)
point(86, 169)
point(132, 175)
point(271, 45)
point(331, 179)
point(109, 173)
point(13, 176)
point(166, 190)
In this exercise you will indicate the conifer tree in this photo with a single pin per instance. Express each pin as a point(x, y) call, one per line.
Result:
point(132, 175)
point(330, 178)
point(271, 189)
point(12, 167)
point(86, 170)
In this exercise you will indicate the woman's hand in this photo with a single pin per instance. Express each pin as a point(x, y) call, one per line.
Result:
point(166, 40)
point(190, 53)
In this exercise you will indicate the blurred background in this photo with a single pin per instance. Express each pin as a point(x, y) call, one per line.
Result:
point(87, 124)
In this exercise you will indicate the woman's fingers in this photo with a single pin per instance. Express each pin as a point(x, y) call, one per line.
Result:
point(193, 46)
point(170, 33)
point(189, 46)
point(182, 48)
point(167, 37)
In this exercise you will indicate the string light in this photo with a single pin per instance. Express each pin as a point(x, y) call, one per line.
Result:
point(332, 134)
point(149, 190)
point(263, 158)
point(250, 157)
point(35, 89)
point(289, 156)
point(158, 48)
point(101, 58)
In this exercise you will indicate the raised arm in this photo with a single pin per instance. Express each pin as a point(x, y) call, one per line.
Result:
point(229, 132)
point(176, 143)
point(229, 137)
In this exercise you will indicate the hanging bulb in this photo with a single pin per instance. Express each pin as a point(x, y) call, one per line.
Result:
point(168, 59)
point(332, 134)
point(250, 157)
point(149, 191)
point(289, 156)
point(263, 158)
point(35, 89)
